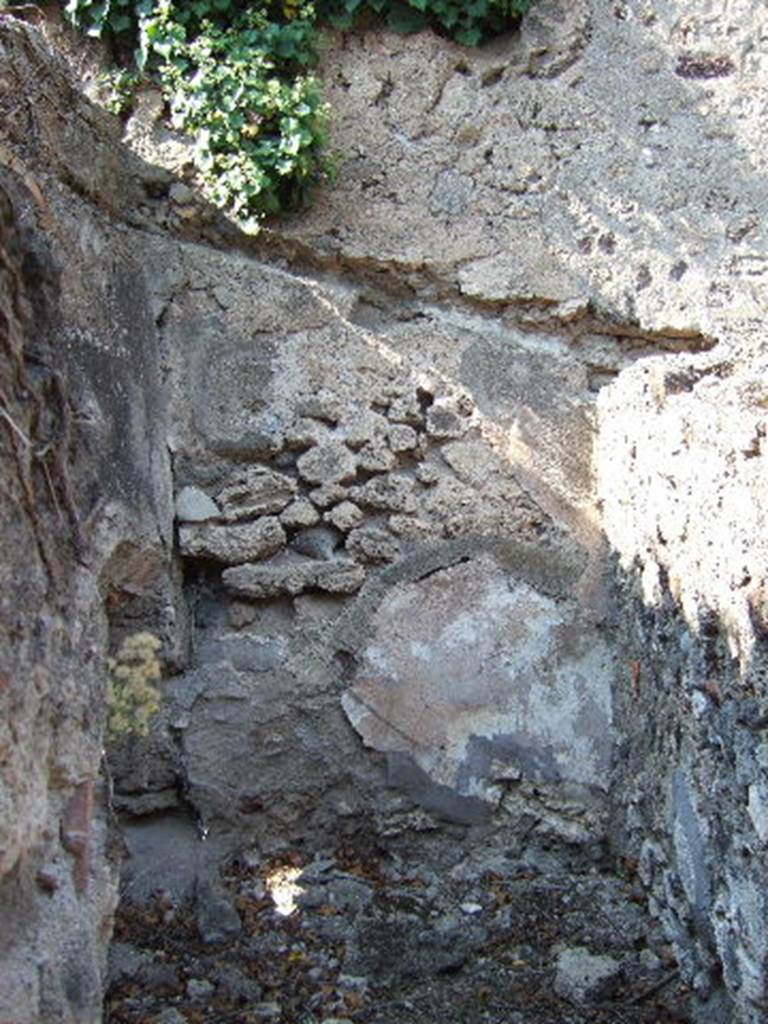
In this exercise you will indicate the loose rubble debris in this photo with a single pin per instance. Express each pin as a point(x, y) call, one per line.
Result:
point(361, 938)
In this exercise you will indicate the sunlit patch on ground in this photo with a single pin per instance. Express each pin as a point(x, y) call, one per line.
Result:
point(281, 883)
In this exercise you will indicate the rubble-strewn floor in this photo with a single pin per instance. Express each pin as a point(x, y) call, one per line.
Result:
point(377, 941)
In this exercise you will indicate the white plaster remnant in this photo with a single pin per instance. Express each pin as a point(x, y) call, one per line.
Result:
point(470, 669)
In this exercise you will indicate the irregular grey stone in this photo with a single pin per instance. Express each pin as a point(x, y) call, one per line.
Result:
point(194, 506)
point(125, 962)
point(259, 491)
point(199, 989)
point(406, 410)
point(217, 919)
point(322, 406)
point(261, 439)
point(261, 581)
point(346, 894)
point(327, 464)
point(366, 428)
point(233, 543)
point(444, 422)
point(318, 870)
point(160, 978)
point(402, 438)
point(583, 977)
point(235, 984)
point(305, 432)
point(376, 458)
point(328, 494)
point(410, 527)
point(344, 517)
point(299, 513)
point(387, 494)
point(181, 193)
point(372, 544)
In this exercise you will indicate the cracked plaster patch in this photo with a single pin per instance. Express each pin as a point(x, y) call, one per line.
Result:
point(481, 679)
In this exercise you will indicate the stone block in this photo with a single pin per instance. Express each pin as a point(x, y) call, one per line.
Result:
point(289, 577)
point(300, 513)
point(232, 543)
point(258, 491)
point(583, 977)
point(193, 505)
point(372, 544)
point(305, 432)
point(345, 516)
point(365, 428)
point(327, 464)
point(444, 422)
point(406, 409)
point(376, 458)
point(402, 438)
point(328, 494)
point(387, 494)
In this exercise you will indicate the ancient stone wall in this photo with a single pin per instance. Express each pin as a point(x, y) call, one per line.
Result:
point(86, 516)
point(681, 468)
point(601, 175)
point(460, 460)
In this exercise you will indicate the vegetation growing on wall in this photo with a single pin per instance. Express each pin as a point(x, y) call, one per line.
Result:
point(238, 77)
point(132, 697)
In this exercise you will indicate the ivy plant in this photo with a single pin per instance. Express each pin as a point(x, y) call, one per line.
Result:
point(238, 77)
point(468, 22)
point(256, 114)
point(116, 89)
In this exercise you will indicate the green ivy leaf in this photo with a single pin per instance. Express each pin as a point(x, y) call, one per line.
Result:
point(406, 19)
point(120, 22)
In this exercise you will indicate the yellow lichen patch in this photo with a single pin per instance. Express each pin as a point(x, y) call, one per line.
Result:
point(132, 697)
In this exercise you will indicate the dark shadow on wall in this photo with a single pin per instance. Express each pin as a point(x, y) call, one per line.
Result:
point(690, 807)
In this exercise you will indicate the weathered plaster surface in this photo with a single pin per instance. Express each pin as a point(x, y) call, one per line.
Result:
point(484, 682)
